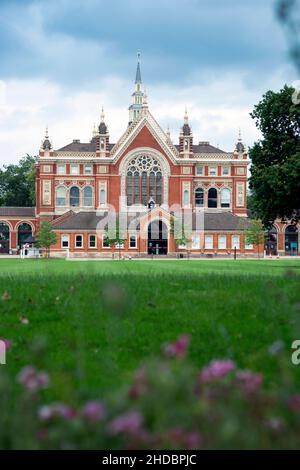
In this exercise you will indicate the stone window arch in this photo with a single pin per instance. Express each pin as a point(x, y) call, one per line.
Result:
point(212, 198)
point(88, 196)
point(199, 197)
point(74, 196)
point(61, 196)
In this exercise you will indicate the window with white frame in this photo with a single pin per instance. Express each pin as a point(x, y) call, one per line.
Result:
point(212, 171)
point(74, 169)
point(103, 197)
point(88, 170)
point(88, 196)
point(248, 246)
point(105, 241)
point(199, 170)
point(92, 241)
point(235, 242)
point(61, 169)
point(225, 198)
point(222, 242)
point(132, 241)
point(65, 241)
point(209, 242)
point(225, 171)
point(119, 246)
point(61, 196)
point(78, 241)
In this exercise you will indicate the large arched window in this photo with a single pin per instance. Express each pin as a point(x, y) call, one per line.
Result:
point(291, 240)
point(4, 238)
point(199, 197)
point(143, 181)
point(74, 196)
point(212, 198)
point(24, 234)
point(88, 196)
point(61, 199)
point(225, 198)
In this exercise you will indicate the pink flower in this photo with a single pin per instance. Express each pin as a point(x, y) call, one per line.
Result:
point(56, 410)
point(93, 411)
point(184, 439)
point(216, 370)
point(248, 381)
point(128, 423)
point(32, 380)
point(179, 348)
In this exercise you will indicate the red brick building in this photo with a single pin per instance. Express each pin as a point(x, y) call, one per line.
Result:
point(151, 186)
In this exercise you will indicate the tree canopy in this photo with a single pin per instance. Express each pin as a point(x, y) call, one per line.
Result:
point(275, 170)
point(17, 183)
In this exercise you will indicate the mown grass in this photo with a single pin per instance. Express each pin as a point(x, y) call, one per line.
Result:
point(100, 320)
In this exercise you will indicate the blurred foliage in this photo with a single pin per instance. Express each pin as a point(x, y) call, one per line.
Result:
point(17, 183)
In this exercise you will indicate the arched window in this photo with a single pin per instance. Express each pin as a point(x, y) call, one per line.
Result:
point(102, 197)
point(24, 234)
point(61, 199)
point(4, 238)
point(88, 196)
point(291, 240)
point(225, 197)
point(74, 196)
point(199, 197)
point(143, 180)
point(212, 198)
point(186, 197)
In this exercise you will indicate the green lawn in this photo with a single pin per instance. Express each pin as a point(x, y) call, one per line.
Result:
point(99, 320)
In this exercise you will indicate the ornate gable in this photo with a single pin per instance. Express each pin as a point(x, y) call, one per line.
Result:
point(145, 132)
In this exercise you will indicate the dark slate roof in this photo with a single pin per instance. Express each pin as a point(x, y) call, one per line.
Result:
point(224, 221)
point(17, 211)
point(204, 147)
point(219, 221)
point(81, 147)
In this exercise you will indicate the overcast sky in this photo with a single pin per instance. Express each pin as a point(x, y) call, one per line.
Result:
point(61, 60)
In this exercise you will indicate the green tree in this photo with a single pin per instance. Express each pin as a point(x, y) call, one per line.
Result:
point(255, 233)
point(275, 170)
point(17, 183)
point(46, 237)
point(114, 236)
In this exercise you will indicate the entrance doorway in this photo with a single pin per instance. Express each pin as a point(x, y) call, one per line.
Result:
point(291, 240)
point(4, 238)
point(271, 242)
point(24, 234)
point(157, 238)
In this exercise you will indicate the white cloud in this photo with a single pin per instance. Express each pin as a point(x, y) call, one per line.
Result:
point(216, 110)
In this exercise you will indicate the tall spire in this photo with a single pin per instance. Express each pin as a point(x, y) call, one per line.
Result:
point(138, 76)
point(139, 103)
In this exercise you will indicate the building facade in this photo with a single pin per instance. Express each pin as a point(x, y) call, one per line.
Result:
point(162, 198)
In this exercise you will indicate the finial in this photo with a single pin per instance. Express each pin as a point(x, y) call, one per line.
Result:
point(102, 114)
point(186, 118)
point(46, 133)
point(240, 135)
point(138, 75)
point(94, 130)
point(168, 132)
